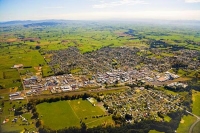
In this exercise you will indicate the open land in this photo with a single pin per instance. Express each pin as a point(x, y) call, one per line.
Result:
point(68, 113)
point(49, 60)
point(187, 121)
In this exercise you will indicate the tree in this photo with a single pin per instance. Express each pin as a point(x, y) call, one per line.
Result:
point(2, 103)
point(128, 117)
point(83, 127)
point(39, 123)
point(35, 115)
point(1, 87)
point(37, 47)
point(110, 110)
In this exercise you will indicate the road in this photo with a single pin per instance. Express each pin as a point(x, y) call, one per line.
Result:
point(23, 86)
point(76, 92)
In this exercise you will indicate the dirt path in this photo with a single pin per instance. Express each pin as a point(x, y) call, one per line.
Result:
point(193, 125)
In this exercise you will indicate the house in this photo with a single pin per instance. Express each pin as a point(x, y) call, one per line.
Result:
point(15, 94)
point(18, 66)
point(16, 98)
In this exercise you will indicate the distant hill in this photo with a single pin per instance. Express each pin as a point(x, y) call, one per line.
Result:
point(28, 23)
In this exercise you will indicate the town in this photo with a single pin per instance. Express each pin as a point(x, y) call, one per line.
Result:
point(69, 82)
point(140, 103)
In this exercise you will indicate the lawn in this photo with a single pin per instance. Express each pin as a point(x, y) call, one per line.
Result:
point(69, 113)
point(185, 124)
point(84, 108)
point(196, 129)
point(196, 102)
point(57, 115)
point(187, 121)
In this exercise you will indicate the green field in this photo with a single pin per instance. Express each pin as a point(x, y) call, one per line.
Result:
point(185, 124)
point(196, 102)
point(188, 120)
point(63, 114)
point(19, 125)
point(196, 129)
point(154, 131)
point(18, 48)
point(196, 109)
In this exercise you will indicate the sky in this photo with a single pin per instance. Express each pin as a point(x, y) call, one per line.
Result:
point(99, 9)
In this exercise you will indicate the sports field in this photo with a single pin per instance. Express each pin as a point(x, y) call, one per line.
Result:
point(69, 113)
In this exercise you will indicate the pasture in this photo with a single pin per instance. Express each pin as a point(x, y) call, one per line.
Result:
point(185, 124)
point(196, 102)
point(9, 115)
point(188, 120)
point(18, 43)
point(58, 115)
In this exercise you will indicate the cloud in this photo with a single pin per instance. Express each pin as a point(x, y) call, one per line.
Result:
point(192, 1)
point(104, 4)
point(56, 7)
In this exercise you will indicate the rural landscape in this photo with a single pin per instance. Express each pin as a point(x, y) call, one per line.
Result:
point(76, 76)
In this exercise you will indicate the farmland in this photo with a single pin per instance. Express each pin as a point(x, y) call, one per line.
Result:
point(187, 121)
point(18, 43)
point(45, 61)
point(69, 113)
point(9, 114)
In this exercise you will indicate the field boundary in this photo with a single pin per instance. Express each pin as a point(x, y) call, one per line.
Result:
point(73, 110)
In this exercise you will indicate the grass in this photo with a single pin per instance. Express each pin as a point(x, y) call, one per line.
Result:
point(57, 115)
point(196, 109)
point(84, 108)
point(104, 121)
point(14, 127)
point(187, 121)
point(69, 113)
point(196, 102)
point(12, 56)
point(167, 118)
point(185, 124)
point(154, 131)
point(196, 129)
point(86, 37)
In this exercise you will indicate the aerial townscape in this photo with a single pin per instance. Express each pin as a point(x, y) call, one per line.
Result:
point(119, 66)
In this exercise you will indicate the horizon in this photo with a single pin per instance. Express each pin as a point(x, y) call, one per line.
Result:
point(20, 10)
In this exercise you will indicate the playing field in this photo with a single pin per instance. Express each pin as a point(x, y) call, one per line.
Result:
point(63, 114)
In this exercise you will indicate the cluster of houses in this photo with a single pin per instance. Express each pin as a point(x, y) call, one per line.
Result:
point(107, 58)
point(113, 77)
point(56, 84)
point(168, 76)
point(141, 103)
point(22, 119)
point(177, 84)
point(119, 76)
point(69, 82)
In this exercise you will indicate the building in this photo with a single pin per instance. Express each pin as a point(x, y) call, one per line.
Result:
point(18, 66)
